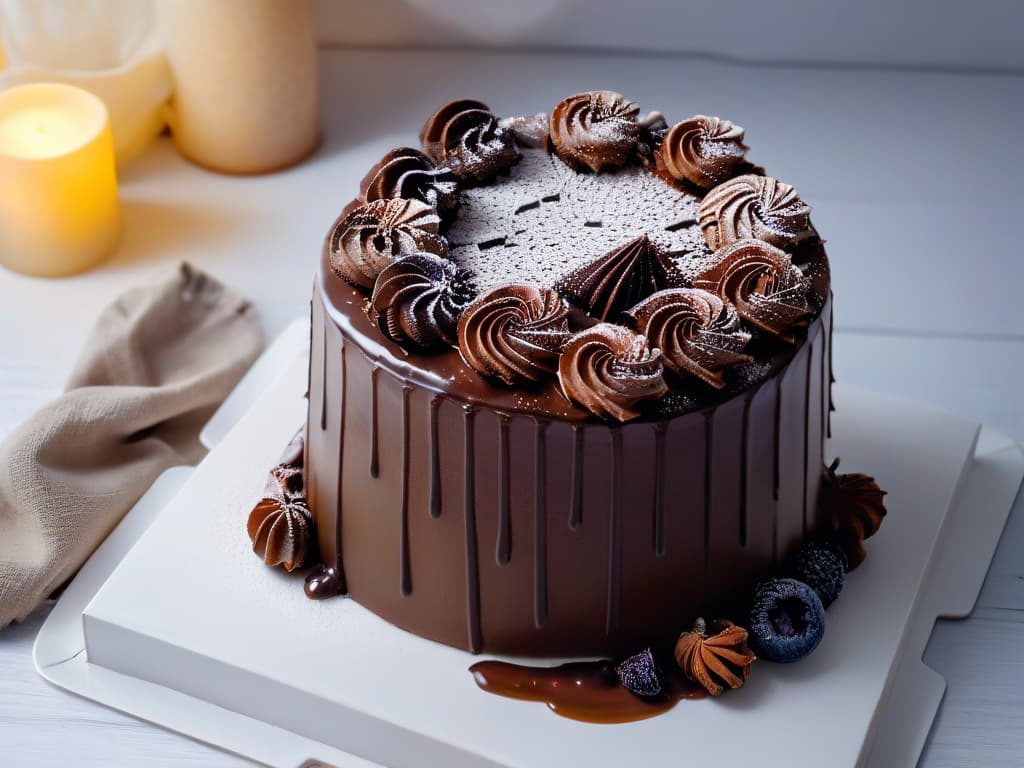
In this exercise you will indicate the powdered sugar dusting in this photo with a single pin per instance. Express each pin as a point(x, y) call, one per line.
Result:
point(544, 220)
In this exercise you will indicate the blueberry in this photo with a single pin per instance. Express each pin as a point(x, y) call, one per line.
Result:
point(787, 620)
point(822, 567)
point(639, 674)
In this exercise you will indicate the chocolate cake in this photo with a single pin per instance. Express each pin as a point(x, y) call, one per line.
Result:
point(569, 381)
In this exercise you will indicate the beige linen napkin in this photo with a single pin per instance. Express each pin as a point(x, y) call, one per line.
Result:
point(155, 367)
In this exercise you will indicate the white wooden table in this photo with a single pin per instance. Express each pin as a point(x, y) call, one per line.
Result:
point(915, 181)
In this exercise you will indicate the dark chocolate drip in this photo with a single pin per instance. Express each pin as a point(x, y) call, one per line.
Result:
point(323, 377)
point(576, 502)
point(406, 567)
point(744, 467)
point(588, 691)
point(821, 377)
point(540, 525)
point(775, 463)
point(659, 488)
point(472, 561)
point(374, 450)
point(615, 534)
point(503, 550)
point(339, 566)
point(709, 434)
point(323, 582)
point(831, 372)
point(309, 368)
point(809, 351)
point(435, 459)
point(778, 438)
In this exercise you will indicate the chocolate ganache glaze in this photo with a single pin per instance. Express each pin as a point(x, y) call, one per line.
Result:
point(593, 458)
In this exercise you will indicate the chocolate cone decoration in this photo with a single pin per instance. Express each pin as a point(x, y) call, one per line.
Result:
point(610, 285)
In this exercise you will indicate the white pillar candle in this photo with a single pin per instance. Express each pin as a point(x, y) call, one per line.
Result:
point(245, 81)
point(107, 47)
point(59, 210)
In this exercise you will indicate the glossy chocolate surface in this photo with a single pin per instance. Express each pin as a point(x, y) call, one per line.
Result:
point(511, 521)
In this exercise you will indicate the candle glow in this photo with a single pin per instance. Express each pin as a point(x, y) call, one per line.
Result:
point(59, 210)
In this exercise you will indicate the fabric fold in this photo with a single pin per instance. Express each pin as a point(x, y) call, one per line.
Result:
point(157, 364)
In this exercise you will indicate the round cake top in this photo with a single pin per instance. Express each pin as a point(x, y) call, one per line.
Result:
point(594, 263)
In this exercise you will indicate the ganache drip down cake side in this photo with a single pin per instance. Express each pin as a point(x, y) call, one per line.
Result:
point(569, 381)
point(569, 389)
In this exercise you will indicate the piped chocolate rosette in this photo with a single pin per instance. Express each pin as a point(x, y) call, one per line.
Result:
point(623, 328)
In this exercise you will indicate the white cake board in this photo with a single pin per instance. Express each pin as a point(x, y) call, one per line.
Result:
point(187, 629)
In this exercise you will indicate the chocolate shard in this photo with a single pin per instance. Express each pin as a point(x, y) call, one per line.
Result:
point(608, 286)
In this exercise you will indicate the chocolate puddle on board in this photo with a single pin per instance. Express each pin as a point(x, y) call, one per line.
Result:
point(588, 691)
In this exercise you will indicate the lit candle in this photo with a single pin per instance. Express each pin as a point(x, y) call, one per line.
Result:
point(59, 211)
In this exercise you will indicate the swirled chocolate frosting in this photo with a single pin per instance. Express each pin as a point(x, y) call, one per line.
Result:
point(595, 130)
point(408, 173)
point(766, 288)
point(702, 150)
point(610, 285)
point(608, 369)
point(755, 206)
point(280, 526)
point(433, 129)
point(697, 332)
point(466, 138)
point(417, 300)
point(514, 333)
point(519, 207)
point(366, 240)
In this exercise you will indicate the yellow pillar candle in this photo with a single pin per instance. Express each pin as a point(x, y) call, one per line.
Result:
point(59, 211)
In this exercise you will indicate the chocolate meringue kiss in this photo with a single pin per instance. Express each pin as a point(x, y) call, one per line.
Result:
point(466, 138)
point(697, 332)
point(608, 369)
point(766, 288)
point(596, 130)
point(514, 333)
point(366, 240)
point(755, 206)
point(704, 151)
